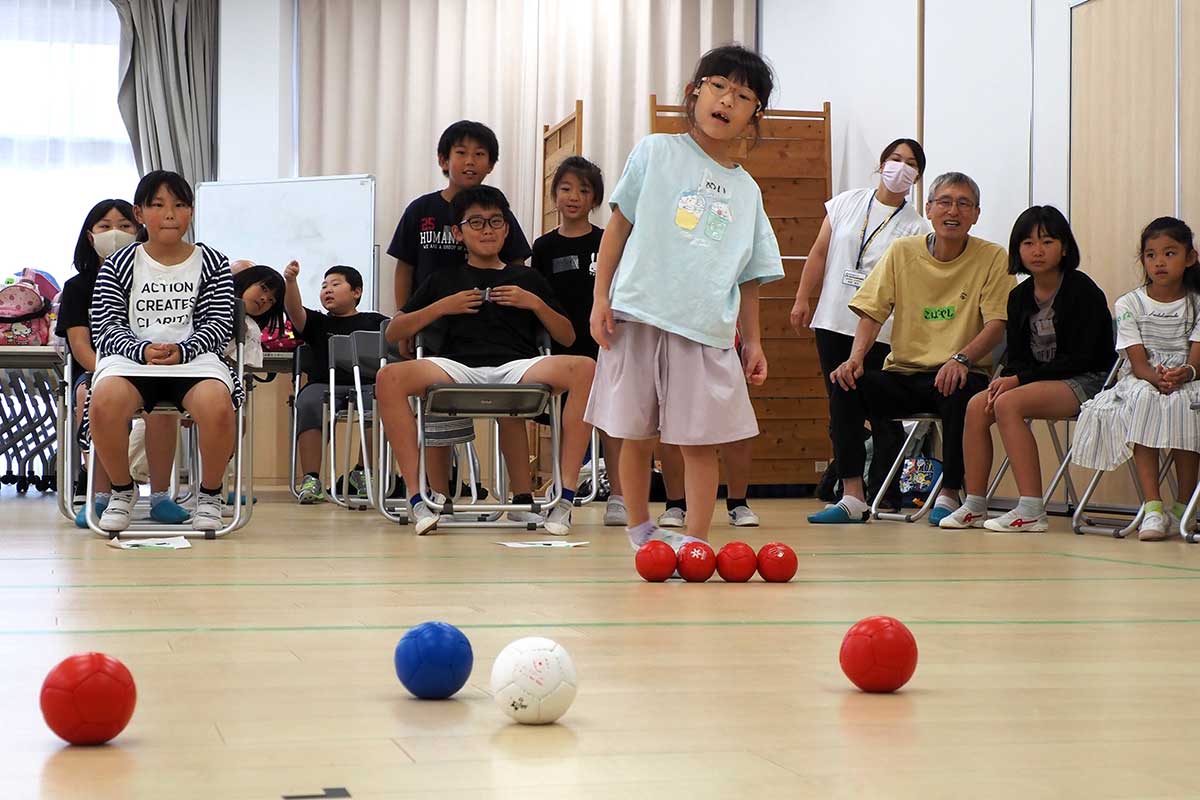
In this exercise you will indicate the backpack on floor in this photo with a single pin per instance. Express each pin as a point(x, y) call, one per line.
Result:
point(24, 312)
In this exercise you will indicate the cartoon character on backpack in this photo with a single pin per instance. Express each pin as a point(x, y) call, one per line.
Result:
point(24, 311)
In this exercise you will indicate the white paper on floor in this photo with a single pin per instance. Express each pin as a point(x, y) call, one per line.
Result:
point(164, 543)
point(552, 543)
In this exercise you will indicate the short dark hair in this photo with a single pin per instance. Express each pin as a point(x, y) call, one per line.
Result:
point(148, 186)
point(463, 130)
point(914, 145)
point(351, 275)
point(738, 64)
point(586, 171)
point(486, 197)
point(260, 273)
point(86, 258)
point(1051, 222)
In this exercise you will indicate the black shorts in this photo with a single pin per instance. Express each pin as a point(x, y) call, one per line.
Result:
point(163, 390)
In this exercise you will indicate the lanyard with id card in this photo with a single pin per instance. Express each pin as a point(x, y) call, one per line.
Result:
point(854, 277)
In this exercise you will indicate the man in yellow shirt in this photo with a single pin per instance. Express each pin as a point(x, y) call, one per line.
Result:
point(947, 294)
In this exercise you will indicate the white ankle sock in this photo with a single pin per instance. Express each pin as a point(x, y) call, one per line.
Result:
point(976, 503)
point(853, 505)
point(948, 503)
point(1030, 507)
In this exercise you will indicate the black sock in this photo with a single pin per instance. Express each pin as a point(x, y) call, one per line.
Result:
point(681, 504)
point(522, 499)
point(210, 492)
point(126, 488)
point(733, 502)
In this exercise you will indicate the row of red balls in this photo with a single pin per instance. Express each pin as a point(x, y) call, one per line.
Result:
point(737, 562)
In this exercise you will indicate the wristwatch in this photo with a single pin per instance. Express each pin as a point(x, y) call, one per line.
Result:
point(962, 359)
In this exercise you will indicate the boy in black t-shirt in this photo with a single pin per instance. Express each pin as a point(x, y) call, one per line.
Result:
point(566, 257)
point(490, 314)
point(423, 243)
point(340, 292)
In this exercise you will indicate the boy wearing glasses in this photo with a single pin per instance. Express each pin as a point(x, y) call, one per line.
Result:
point(424, 243)
point(947, 294)
point(490, 314)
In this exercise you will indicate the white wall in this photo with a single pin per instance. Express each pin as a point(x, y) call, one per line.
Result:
point(254, 90)
point(986, 70)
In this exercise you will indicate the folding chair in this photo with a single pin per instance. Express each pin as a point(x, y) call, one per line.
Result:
point(494, 402)
point(1187, 525)
point(302, 362)
point(342, 357)
point(243, 462)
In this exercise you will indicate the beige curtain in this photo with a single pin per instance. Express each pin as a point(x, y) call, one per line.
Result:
point(380, 79)
point(167, 94)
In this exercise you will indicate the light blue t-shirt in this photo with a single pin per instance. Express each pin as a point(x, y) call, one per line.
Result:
point(699, 231)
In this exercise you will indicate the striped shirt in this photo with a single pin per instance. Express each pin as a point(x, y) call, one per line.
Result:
point(1164, 329)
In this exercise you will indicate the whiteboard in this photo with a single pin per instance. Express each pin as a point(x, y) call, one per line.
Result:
point(318, 221)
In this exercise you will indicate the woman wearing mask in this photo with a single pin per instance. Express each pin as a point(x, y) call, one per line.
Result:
point(859, 225)
point(107, 228)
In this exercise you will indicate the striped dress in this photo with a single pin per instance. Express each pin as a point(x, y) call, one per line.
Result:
point(1133, 411)
point(204, 322)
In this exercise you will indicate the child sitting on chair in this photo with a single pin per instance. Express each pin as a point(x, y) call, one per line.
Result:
point(491, 314)
point(162, 313)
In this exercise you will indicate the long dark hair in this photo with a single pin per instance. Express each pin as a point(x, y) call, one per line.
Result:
point(86, 258)
point(273, 281)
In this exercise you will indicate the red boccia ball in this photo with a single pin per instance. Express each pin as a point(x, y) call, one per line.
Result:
point(697, 562)
point(777, 562)
point(736, 562)
point(655, 561)
point(88, 698)
point(879, 654)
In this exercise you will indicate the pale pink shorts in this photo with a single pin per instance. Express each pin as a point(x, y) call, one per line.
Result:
point(654, 383)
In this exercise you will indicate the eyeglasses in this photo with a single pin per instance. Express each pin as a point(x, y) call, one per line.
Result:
point(944, 203)
point(722, 86)
point(478, 223)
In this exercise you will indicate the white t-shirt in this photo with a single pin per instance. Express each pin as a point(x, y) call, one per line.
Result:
point(1166, 330)
point(161, 302)
point(844, 272)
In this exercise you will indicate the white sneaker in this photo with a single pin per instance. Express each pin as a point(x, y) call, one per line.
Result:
point(1012, 522)
point(1154, 526)
point(424, 518)
point(558, 521)
point(743, 517)
point(676, 540)
point(525, 517)
point(615, 512)
point(208, 512)
point(962, 518)
point(672, 518)
point(116, 517)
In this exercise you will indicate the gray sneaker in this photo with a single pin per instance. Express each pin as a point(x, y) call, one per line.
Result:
point(558, 521)
point(311, 491)
point(424, 518)
point(743, 517)
point(672, 518)
point(358, 482)
point(525, 517)
point(615, 512)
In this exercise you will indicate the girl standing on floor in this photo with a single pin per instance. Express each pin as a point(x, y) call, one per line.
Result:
point(678, 271)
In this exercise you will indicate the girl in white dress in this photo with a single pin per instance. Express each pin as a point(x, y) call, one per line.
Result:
point(1149, 408)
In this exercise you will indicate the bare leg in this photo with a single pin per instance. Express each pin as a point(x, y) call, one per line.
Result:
point(99, 476)
point(514, 446)
point(1039, 400)
point(1187, 463)
point(977, 444)
point(635, 478)
point(310, 447)
point(701, 476)
point(1145, 462)
point(114, 402)
point(672, 471)
point(573, 375)
point(393, 386)
point(737, 458)
point(611, 447)
point(162, 433)
point(211, 409)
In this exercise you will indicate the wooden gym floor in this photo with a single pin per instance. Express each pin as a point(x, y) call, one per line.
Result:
point(1051, 666)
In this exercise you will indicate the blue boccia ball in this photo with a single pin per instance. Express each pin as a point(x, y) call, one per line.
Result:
point(433, 660)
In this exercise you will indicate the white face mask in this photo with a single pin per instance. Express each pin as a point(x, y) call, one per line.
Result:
point(897, 176)
point(111, 241)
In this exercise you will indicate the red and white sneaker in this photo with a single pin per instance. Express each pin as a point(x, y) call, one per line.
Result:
point(1012, 522)
point(963, 518)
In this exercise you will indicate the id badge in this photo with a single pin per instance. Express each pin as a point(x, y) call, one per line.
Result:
point(854, 278)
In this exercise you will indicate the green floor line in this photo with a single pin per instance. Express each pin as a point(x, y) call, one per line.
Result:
point(792, 623)
point(557, 581)
point(1128, 562)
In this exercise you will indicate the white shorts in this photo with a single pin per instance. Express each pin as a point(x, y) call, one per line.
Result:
point(510, 373)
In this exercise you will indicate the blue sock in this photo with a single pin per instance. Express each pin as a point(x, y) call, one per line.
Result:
point(164, 509)
point(416, 498)
point(568, 495)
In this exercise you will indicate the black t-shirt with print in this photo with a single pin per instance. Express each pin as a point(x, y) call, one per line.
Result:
point(495, 334)
point(568, 263)
point(424, 241)
point(75, 310)
point(319, 326)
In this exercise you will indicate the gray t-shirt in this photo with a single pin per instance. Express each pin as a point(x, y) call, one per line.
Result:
point(1042, 339)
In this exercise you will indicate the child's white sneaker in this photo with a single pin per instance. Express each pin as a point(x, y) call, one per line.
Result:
point(208, 512)
point(672, 518)
point(1012, 522)
point(117, 515)
point(963, 518)
point(1154, 527)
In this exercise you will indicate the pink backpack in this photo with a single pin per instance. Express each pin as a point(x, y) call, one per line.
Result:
point(24, 312)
